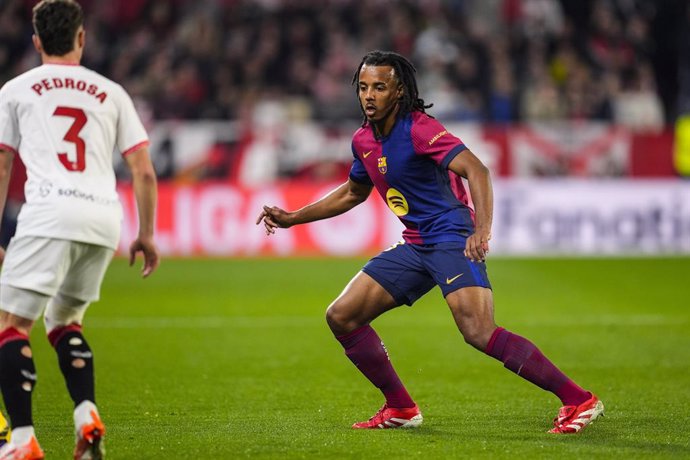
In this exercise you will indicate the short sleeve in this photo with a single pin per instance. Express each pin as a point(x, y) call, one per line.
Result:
point(9, 127)
point(131, 134)
point(430, 138)
point(358, 172)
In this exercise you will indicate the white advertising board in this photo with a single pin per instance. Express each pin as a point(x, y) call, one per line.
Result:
point(531, 217)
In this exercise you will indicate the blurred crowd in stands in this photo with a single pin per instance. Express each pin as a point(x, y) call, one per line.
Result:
point(496, 61)
point(276, 75)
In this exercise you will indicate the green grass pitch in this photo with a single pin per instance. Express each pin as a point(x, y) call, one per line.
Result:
point(232, 359)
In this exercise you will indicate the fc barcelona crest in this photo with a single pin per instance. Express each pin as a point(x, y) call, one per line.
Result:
point(383, 167)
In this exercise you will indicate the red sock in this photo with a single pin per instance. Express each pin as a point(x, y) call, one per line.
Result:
point(366, 351)
point(526, 360)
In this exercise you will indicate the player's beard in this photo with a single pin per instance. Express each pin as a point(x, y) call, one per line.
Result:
point(382, 120)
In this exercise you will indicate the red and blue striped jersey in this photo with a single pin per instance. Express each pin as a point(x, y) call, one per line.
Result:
point(409, 168)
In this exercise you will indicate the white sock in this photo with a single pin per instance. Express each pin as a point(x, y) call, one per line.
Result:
point(82, 413)
point(22, 435)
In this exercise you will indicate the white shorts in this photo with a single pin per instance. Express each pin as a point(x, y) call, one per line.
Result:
point(50, 266)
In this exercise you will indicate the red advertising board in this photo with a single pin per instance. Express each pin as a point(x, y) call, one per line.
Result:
point(220, 220)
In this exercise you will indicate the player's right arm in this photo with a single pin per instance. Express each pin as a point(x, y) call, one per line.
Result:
point(467, 165)
point(146, 194)
point(338, 201)
point(6, 159)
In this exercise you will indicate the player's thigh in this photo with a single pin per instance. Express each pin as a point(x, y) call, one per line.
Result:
point(36, 264)
point(473, 311)
point(400, 271)
point(465, 286)
point(450, 269)
point(393, 278)
point(86, 272)
point(362, 300)
point(81, 285)
point(474, 303)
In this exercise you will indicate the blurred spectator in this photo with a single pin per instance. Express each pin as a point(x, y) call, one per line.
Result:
point(541, 98)
point(637, 104)
point(194, 59)
point(538, 19)
point(684, 64)
point(501, 95)
point(542, 101)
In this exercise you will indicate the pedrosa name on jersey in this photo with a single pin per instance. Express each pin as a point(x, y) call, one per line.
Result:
point(49, 84)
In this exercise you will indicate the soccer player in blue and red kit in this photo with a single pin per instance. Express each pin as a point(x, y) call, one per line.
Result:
point(417, 167)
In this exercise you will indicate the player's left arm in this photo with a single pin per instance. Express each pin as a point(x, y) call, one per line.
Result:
point(132, 141)
point(467, 165)
point(6, 159)
point(144, 183)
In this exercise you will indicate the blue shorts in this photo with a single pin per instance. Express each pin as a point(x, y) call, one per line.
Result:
point(408, 271)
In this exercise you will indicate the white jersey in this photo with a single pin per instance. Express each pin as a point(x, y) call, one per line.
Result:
point(65, 122)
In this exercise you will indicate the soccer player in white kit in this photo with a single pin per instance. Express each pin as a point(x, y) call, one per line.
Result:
point(65, 121)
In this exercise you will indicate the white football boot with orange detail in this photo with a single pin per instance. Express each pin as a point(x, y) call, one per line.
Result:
point(89, 432)
point(391, 417)
point(572, 419)
point(28, 451)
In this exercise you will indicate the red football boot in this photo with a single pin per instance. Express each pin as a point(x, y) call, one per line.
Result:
point(391, 417)
point(572, 419)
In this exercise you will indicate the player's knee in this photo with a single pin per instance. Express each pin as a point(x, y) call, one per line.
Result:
point(475, 333)
point(19, 308)
point(333, 315)
point(23, 329)
point(10, 321)
point(339, 317)
point(471, 338)
point(63, 311)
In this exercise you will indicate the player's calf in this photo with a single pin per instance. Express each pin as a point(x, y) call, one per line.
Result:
point(76, 361)
point(17, 376)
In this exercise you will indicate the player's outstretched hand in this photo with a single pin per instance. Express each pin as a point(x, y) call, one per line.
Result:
point(273, 217)
point(151, 257)
point(477, 246)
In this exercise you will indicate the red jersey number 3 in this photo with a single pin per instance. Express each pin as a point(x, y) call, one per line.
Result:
point(72, 136)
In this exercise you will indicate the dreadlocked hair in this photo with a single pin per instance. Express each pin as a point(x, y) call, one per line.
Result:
point(405, 73)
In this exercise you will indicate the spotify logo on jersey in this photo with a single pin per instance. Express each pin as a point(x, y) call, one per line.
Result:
point(397, 202)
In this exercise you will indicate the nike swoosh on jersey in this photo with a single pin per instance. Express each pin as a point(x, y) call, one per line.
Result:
point(364, 155)
point(450, 280)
